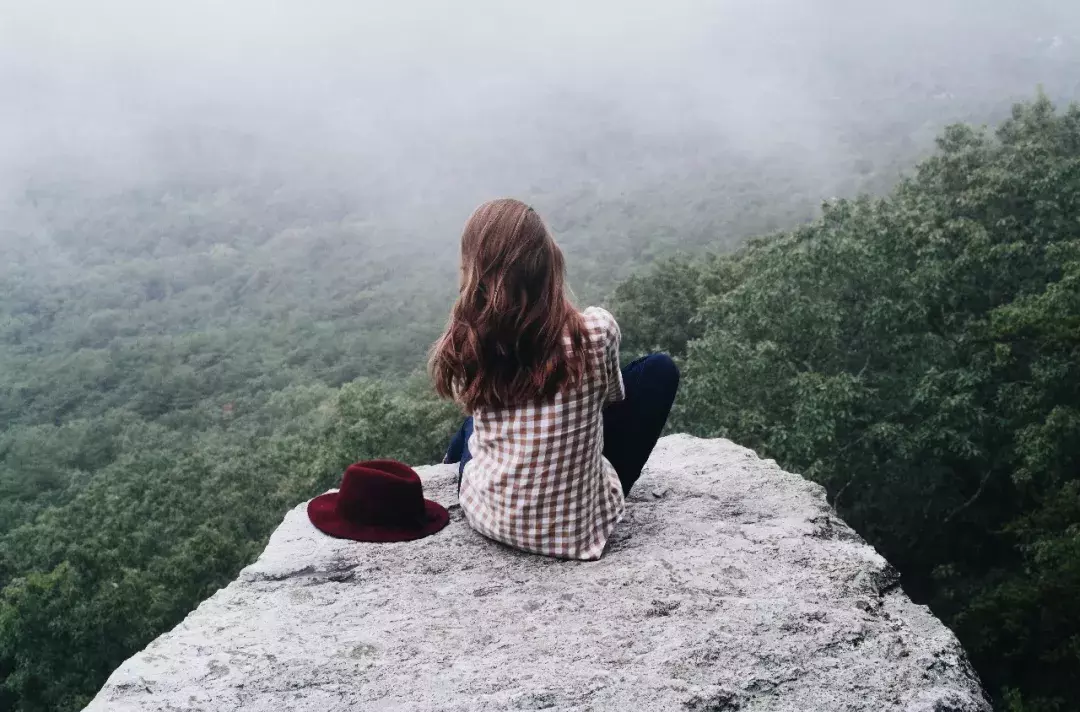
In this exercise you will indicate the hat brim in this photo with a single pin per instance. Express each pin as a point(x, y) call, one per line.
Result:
point(322, 511)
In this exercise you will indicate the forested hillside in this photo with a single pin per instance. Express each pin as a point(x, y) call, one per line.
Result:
point(228, 236)
point(166, 401)
point(185, 360)
point(919, 355)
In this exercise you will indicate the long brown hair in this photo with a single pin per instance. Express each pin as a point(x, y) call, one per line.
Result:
point(504, 343)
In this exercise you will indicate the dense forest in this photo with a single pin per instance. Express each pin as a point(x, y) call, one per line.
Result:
point(919, 355)
point(916, 353)
point(207, 312)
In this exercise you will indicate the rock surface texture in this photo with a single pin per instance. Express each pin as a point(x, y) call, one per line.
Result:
point(730, 585)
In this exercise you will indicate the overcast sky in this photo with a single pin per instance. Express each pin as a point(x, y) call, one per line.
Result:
point(86, 83)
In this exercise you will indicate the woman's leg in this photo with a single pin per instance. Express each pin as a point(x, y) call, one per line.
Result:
point(459, 448)
point(632, 426)
point(457, 445)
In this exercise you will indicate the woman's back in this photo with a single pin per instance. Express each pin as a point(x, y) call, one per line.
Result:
point(537, 479)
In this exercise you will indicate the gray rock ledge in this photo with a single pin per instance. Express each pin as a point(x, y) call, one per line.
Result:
point(730, 585)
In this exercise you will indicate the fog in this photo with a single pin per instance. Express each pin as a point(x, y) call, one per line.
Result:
point(444, 101)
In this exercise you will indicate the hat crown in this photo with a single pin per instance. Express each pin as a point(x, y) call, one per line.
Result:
point(381, 492)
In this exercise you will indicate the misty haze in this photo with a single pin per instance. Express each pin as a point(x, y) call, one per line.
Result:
point(229, 233)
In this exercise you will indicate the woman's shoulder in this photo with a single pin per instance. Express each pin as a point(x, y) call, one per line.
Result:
point(600, 321)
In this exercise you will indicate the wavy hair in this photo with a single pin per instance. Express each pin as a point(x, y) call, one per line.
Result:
point(503, 345)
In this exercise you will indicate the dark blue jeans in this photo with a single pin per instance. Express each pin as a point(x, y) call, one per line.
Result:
point(631, 426)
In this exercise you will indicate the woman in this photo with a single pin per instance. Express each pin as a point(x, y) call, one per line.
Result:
point(558, 434)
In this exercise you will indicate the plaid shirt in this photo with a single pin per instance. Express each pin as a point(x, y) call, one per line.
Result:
point(537, 479)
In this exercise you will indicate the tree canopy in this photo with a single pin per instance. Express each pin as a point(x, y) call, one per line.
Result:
point(919, 355)
point(183, 362)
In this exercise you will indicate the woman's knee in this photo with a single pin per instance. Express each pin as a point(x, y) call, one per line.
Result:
point(662, 369)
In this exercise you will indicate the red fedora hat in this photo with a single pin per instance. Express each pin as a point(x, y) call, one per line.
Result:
point(379, 500)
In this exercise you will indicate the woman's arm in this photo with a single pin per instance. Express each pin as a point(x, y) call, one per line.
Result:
point(616, 391)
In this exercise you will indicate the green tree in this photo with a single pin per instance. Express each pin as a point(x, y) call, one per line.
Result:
point(918, 355)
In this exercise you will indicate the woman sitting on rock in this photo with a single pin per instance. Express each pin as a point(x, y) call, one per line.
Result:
point(558, 434)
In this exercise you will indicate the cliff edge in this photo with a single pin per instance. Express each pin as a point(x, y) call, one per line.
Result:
point(730, 585)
